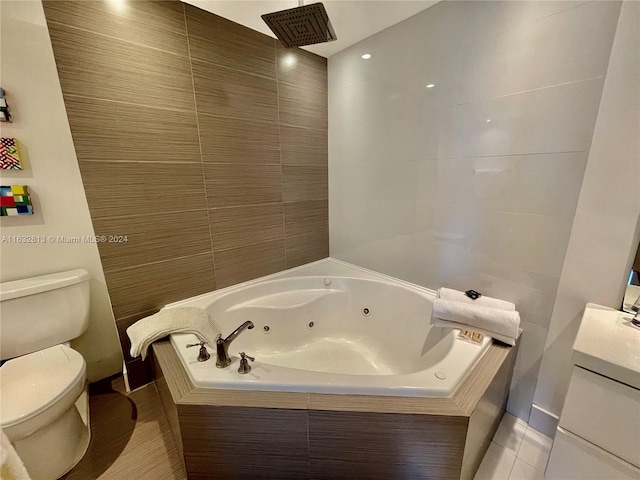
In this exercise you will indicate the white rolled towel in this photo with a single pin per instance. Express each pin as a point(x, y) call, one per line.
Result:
point(503, 325)
point(11, 467)
point(457, 296)
point(172, 320)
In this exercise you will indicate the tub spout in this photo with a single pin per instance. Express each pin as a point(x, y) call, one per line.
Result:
point(222, 346)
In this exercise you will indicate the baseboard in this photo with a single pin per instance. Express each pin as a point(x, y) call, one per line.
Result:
point(543, 421)
point(104, 367)
point(125, 374)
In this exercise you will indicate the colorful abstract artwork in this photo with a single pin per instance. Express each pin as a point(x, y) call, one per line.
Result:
point(15, 200)
point(5, 116)
point(9, 154)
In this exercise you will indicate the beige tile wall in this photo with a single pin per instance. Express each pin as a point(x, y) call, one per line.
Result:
point(202, 141)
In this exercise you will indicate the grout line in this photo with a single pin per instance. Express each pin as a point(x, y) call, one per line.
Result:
point(515, 459)
point(503, 212)
point(245, 72)
point(484, 37)
point(151, 162)
point(445, 158)
point(93, 32)
point(303, 127)
point(204, 180)
point(253, 119)
point(516, 455)
point(284, 223)
point(270, 203)
point(540, 450)
point(138, 162)
point(267, 204)
point(304, 88)
point(248, 118)
point(476, 211)
point(130, 267)
point(133, 104)
point(545, 87)
point(521, 440)
point(388, 163)
point(227, 207)
point(164, 214)
point(308, 435)
point(254, 164)
point(508, 155)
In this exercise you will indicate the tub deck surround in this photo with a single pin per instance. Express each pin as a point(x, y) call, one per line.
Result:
point(309, 369)
point(263, 434)
point(461, 404)
point(328, 424)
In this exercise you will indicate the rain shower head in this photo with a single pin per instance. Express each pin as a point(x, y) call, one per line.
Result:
point(303, 25)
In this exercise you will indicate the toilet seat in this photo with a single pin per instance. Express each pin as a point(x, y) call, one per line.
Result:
point(38, 387)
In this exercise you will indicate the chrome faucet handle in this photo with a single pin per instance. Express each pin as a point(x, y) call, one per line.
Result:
point(203, 355)
point(244, 355)
point(244, 364)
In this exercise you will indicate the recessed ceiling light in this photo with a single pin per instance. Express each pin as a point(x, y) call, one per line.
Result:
point(366, 56)
point(488, 120)
point(431, 85)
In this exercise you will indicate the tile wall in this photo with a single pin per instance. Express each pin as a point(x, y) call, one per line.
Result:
point(606, 229)
point(473, 182)
point(200, 140)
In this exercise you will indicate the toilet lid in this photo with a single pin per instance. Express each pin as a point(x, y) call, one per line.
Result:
point(31, 383)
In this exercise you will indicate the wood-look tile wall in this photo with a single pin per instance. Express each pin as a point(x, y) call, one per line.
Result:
point(202, 141)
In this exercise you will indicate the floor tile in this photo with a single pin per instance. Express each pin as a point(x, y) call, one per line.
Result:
point(510, 433)
point(523, 471)
point(497, 464)
point(535, 449)
point(130, 436)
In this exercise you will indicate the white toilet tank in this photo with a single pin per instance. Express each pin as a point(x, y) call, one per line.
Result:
point(39, 312)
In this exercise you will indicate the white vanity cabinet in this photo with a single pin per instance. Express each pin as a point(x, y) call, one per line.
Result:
point(598, 436)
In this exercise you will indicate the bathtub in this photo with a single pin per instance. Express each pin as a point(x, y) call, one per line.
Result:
point(331, 327)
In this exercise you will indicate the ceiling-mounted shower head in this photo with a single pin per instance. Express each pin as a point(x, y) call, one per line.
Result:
point(304, 25)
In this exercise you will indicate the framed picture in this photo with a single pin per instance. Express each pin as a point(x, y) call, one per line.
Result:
point(15, 200)
point(9, 154)
point(5, 116)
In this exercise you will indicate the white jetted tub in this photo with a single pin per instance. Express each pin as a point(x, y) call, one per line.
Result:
point(331, 327)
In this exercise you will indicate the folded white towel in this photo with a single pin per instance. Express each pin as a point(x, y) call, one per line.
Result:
point(11, 467)
point(172, 320)
point(500, 324)
point(457, 296)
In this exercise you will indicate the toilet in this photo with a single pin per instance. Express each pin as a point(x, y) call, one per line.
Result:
point(44, 408)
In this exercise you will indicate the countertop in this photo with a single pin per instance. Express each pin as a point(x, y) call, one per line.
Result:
point(607, 343)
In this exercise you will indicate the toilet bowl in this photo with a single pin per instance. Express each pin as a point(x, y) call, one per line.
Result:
point(44, 408)
point(42, 391)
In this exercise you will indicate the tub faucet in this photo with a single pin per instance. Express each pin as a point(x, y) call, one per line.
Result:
point(222, 346)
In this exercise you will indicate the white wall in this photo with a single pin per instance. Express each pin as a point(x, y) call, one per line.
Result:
point(473, 183)
point(606, 229)
point(29, 76)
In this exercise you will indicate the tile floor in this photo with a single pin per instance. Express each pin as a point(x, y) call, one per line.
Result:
point(131, 439)
point(517, 452)
point(130, 436)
